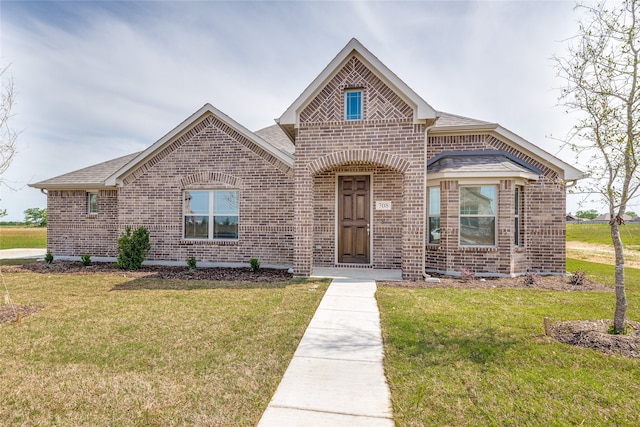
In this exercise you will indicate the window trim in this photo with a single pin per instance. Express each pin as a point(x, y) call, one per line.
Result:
point(351, 117)
point(211, 214)
point(494, 216)
point(90, 194)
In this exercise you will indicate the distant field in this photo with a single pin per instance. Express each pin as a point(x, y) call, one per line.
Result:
point(22, 237)
point(599, 233)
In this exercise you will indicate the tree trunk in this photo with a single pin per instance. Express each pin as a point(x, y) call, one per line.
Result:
point(620, 315)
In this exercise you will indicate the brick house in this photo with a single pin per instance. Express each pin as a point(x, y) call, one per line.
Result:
point(358, 171)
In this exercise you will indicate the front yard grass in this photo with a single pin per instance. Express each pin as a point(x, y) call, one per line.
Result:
point(601, 234)
point(95, 355)
point(480, 357)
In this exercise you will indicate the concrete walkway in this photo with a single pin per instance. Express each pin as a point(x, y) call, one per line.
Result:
point(336, 376)
point(22, 253)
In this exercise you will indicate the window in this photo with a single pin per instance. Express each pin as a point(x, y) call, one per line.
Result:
point(92, 203)
point(478, 216)
point(434, 215)
point(353, 105)
point(211, 214)
point(517, 217)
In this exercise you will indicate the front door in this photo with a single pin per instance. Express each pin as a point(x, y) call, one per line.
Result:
point(354, 211)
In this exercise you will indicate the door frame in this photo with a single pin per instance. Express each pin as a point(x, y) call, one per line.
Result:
point(337, 221)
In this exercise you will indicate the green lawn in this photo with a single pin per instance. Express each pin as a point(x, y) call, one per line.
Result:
point(600, 233)
point(98, 354)
point(480, 357)
point(12, 237)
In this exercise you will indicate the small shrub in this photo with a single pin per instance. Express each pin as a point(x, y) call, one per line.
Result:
point(467, 275)
point(254, 264)
point(133, 248)
point(579, 278)
point(85, 259)
point(531, 279)
point(48, 258)
point(192, 263)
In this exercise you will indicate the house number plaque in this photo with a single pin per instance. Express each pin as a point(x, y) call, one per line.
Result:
point(383, 205)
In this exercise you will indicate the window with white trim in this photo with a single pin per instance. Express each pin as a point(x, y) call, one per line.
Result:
point(353, 105)
point(92, 203)
point(478, 215)
point(433, 216)
point(211, 214)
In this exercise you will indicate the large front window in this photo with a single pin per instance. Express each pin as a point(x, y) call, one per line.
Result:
point(211, 214)
point(478, 216)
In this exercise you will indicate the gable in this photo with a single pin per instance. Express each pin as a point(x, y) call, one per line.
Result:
point(206, 117)
point(379, 101)
point(422, 112)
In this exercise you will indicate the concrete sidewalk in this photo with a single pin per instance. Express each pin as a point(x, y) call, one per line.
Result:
point(22, 253)
point(336, 376)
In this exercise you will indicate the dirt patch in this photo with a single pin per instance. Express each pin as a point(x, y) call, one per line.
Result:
point(11, 313)
point(603, 254)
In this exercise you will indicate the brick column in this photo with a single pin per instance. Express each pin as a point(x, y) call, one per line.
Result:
point(414, 221)
point(303, 222)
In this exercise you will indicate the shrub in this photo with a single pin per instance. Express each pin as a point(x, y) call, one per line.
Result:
point(531, 279)
point(467, 275)
point(254, 264)
point(85, 259)
point(579, 278)
point(133, 248)
point(192, 263)
point(48, 258)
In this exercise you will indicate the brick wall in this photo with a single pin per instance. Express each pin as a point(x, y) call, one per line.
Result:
point(210, 156)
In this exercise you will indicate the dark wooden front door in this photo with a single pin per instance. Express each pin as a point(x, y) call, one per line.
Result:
point(354, 210)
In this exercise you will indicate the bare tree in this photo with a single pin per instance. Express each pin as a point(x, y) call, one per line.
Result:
point(8, 136)
point(602, 87)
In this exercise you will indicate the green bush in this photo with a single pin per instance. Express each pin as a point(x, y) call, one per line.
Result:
point(192, 263)
point(254, 264)
point(85, 259)
point(133, 248)
point(48, 258)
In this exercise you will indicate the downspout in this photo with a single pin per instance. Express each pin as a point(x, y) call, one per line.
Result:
point(424, 203)
point(44, 191)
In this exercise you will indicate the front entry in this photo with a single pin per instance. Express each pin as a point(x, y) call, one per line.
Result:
point(354, 211)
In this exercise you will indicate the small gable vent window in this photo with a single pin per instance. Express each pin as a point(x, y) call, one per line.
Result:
point(353, 105)
point(92, 203)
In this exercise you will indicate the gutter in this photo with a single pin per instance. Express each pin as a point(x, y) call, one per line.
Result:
point(424, 204)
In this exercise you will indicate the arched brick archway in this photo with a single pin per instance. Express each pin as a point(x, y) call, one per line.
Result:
point(358, 157)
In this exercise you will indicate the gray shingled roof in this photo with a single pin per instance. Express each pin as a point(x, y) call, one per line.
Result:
point(91, 176)
point(479, 162)
point(275, 136)
point(449, 120)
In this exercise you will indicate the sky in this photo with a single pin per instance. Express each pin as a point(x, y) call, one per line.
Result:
point(99, 80)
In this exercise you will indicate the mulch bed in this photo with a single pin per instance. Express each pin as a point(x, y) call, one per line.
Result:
point(589, 334)
point(158, 271)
